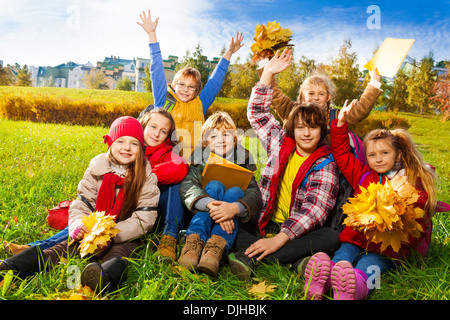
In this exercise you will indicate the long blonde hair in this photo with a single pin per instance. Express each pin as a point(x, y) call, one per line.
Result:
point(418, 173)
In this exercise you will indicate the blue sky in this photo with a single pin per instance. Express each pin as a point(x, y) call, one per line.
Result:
point(50, 32)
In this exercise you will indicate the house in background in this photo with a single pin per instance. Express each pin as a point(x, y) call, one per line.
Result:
point(66, 75)
point(71, 74)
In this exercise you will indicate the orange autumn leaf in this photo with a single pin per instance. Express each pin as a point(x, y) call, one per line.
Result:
point(268, 39)
point(386, 213)
point(101, 230)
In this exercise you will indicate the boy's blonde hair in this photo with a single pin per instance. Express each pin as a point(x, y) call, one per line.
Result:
point(418, 173)
point(189, 72)
point(218, 120)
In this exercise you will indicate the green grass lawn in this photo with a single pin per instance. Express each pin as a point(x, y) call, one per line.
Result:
point(41, 164)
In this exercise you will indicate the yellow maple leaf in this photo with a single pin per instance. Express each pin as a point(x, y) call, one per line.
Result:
point(386, 213)
point(101, 230)
point(261, 289)
point(268, 39)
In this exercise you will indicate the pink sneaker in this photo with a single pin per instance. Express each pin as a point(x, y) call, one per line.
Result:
point(317, 276)
point(348, 283)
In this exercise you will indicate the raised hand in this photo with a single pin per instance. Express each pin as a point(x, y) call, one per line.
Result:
point(149, 25)
point(277, 64)
point(235, 45)
point(343, 113)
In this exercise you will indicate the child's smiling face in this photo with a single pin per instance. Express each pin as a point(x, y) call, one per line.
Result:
point(316, 93)
point(220, 141)
point(125, 150)
point(307, 138)
point(186, 88)
point(381, 155)
point(157, 130)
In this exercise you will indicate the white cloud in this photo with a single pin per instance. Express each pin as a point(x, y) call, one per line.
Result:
point(49, 32)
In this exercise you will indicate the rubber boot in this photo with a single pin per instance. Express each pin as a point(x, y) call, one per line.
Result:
point(191, 252)
point(317, 276)
point(211, 255)
point(348, 283)
point(241, 265)
point(107, 275)
point(25, 263)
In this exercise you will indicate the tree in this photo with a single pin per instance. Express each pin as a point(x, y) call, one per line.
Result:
point(6, 77)
point(197, 61)
point(398, 97)
point(24, 77)
point(124, 84)
point(95, 79)
point(290, 80)
point(345, 74)
point(243, 78)
point(147, 81)
point(420, 85)
point(440, 97)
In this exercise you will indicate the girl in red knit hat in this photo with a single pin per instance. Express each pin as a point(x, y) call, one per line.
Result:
point(119, 182)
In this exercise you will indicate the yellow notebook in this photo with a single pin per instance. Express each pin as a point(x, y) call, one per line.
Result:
point(227, 172)
point(390, 56)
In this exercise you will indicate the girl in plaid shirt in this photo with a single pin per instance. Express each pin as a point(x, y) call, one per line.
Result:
point(295, 213)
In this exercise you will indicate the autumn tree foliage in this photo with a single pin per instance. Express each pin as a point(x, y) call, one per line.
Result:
point(420, 84)
point(440, 97)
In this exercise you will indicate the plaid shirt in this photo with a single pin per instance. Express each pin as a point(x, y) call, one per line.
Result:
point(310, 207)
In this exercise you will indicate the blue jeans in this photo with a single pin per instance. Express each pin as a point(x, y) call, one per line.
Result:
point(204, 226)
point(172, 209)
point(50, 242)
point(362, 259)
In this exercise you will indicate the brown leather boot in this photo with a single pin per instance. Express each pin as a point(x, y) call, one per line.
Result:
point(211, 255)
point(14, 248)
point(191, 252)
point(167, 248)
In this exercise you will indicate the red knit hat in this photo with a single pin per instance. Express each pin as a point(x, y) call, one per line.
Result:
point(124, 126)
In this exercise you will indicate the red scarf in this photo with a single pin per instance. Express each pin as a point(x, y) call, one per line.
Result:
point(106, 198)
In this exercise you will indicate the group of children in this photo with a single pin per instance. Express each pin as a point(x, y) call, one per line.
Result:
point(282, 217)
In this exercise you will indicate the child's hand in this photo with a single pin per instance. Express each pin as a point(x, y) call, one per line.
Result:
point(267, 246)
point(277, 64)
point(234, 46)
point(342, 116)
point(374, 74)
point(221, 211)
point(79, 232)
point(227, 226)
point(149, 25)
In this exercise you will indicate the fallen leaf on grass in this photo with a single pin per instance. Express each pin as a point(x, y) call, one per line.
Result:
point(83, 293)
point(261, 289)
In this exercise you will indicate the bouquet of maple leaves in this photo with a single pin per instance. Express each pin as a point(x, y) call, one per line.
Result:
point(269, 39)
point(386, 214)
point(101, 230)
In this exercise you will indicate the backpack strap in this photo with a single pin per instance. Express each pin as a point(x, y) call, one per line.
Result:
point(86, 202)
point(317, 167)
point(169, 103)
point(364, 176)
point(333, 114)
